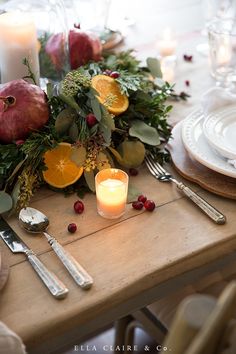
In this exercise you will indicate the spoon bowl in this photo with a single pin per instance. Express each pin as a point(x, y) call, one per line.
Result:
point(33, 220)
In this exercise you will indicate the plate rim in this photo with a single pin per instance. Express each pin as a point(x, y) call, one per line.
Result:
point(226, 152)
point(193, 116)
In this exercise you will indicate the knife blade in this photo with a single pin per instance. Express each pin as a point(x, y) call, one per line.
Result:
point(16, 245)
point(11, 239)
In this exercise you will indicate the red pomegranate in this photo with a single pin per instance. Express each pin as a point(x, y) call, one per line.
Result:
point(23, 108)
point(55, 49)
point(83, 47)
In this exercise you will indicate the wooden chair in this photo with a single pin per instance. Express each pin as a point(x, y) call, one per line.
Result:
point(203, 325)
point(156, 319)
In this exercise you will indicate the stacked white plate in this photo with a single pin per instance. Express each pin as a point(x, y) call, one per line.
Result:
point(211, 139)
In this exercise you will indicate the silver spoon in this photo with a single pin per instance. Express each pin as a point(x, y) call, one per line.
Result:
point(34, 221)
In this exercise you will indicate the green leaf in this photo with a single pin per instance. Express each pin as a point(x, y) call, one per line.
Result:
point(64, 120)
point(6, 202)
point(49, 90)
point(17, 168)
point(74, 132)
point(155, 67)
point(96, 107)
point(15, 194)
point(133, 193)
point(106, 125)
point(129, 153)
point(144, 132)
point(90, 180)
point(102, 161)
point(78, 155)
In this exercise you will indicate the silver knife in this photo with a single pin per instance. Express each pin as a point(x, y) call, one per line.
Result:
point(16, 245)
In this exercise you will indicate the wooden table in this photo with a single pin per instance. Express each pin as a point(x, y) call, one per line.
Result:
point(134, 260)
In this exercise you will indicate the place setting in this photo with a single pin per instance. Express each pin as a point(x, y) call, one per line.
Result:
point(203, 147)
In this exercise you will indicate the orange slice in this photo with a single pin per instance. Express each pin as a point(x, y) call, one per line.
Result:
point(107, 88)
point(61, 170)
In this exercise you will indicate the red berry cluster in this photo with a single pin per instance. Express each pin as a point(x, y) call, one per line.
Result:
point(113, 74)
point(142, 201)
point(78, 208)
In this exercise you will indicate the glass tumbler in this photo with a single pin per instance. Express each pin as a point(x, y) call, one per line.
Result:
point(222, 44)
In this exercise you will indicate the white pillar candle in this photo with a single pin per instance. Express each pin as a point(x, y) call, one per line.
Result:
point(111, 192)
point(167, 45)
point(18, 40)
point(224, 53)
point(168, 68)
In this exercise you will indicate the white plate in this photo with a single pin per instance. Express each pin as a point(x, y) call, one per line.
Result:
point(219, 129)
point(197, 146)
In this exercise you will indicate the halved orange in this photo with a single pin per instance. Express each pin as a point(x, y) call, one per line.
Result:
point(106, 86)
point(61, 170)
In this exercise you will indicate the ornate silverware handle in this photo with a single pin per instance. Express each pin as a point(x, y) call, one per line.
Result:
point(54, 285)
point(207, 208)
point(81, 277)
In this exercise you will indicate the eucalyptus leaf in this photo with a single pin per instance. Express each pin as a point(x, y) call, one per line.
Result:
point(106, 125)
point(6, 202)
point(15, 194)
point(74, 132)
point(49, 90)
point(64, 120)
point(96, 107)
point(129, 153)
point(155, 67)
point(70, 100)
point(78, 155)
point(102, 161)
point(16, 169)
point(144, 132)
point(90, 180)
point(133, 193)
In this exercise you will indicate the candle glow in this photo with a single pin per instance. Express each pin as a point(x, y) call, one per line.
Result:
point(167, 45)
point(111, 192)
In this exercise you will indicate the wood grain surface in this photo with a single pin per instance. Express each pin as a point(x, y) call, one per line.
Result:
point(4, 268)
point(196, 172)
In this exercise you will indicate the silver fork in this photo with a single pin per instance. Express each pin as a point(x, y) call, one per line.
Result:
point(162, 175)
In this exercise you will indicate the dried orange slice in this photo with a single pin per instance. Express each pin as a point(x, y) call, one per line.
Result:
point(61, 170)
point(108, 89)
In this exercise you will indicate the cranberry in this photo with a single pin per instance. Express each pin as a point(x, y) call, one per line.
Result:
point(149, 205)
point(72, 228)
point(142, 198)
point(133, 172)
point(115, 74)
point(187, 57)
point(187, 83)
point(91, 120)
point(78, 207)
point(137, 205)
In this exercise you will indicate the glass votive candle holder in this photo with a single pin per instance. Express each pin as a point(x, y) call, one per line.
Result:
point(222, 45)
point(111, 192)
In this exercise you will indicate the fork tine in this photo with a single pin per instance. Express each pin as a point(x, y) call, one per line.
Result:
point(156, 165)
point(162, 170)
point(153, 166)
point(150, 167)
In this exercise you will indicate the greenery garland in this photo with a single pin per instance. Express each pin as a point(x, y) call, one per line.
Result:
point(125, 139)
